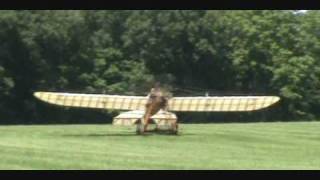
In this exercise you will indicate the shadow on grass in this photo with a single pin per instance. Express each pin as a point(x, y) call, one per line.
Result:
point(97, 135)
point(127, 135)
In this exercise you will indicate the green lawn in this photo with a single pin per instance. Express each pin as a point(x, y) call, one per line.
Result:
point(199, 146)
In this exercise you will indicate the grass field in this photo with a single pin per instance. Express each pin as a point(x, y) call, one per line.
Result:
point(199, 146)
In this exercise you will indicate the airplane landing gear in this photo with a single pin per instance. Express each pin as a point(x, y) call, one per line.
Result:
point(175, 128)
point(169, 128)
point(140, 127)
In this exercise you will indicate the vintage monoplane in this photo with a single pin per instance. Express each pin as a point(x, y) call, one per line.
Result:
point(156, 107)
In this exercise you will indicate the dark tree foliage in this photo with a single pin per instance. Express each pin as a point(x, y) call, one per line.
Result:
point(189, 52)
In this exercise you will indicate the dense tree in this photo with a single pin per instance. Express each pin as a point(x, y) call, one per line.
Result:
point(124, 52)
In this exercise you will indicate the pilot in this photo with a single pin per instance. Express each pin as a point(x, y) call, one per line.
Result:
point(157, 95)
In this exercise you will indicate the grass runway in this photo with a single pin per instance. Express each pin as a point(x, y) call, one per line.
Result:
point(280, 145)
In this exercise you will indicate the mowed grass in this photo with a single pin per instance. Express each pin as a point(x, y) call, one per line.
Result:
point(198, 146)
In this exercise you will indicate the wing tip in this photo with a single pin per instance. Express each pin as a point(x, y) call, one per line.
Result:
point(273, 101)
point(37, 94)
point(276, 99)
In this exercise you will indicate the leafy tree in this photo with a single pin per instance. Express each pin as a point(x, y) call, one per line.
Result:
point(125, 52)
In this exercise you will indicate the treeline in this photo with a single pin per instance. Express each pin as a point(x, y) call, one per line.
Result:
point(189, 52)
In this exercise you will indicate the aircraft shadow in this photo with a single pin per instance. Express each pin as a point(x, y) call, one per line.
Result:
point(126, 135)
point(97, 135)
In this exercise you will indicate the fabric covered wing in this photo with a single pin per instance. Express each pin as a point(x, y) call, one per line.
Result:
point(221, 104)
point(93, 100)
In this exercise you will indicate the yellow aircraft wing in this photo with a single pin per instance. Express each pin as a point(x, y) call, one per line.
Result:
point(221, 103)
point(93, 100)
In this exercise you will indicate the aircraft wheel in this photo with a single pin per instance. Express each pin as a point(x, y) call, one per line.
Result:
point(140, 128)
point(175, 128)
